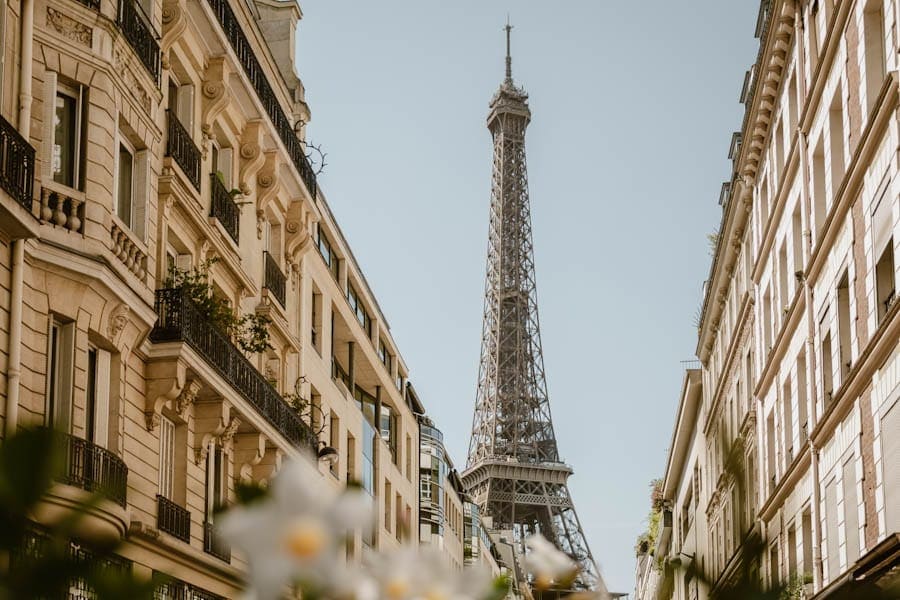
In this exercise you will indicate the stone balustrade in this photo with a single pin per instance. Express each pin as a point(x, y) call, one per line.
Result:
point(62, 207)
point(128, 251)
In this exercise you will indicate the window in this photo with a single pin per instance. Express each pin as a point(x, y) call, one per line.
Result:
point(399, 525)
point(383, 355)
point(327, 253)
point(408, 457)
point(771, 445)
point(181, 103)
point(125, 187)
point(836, 141)
point(388, 425)
point(66, 156)
point(388, 496)
point(97, 409)
point(358, 309)
point(873, 38)
point(60, 367)
point(818, 186)
point(843, 306)
point(334, 440)
point(316, 322)
point(802, 410)
point(216, 474)
point(787, 423)
point(166, 458)
point(367, 476)
point(831, 552)
point(884, 280)
point(774, 565)
point(806, 540)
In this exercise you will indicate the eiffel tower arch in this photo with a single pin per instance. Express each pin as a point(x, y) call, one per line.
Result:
point(513, 471)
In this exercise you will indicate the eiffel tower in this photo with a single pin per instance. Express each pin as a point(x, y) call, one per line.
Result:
point(513, 471)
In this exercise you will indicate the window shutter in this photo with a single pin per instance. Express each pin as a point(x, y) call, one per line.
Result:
point(166, 457)
point(851, 511)
point(882, 217)
point(890, 452)
point(185, 107)
point(832, 555)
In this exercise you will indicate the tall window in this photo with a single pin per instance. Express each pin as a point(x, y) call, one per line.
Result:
point(96, 410)
point(843, 306)
point(334, 439)
point(216, 488)
point(60, 366)
point(125, 187)
point(873, 38)
point(388, 426)
point(327, 252)
point(166, 458)
point(367, 476)
point(65, 160)
point(358, 309)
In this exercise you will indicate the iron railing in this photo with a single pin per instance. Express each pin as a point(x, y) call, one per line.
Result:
point(173, 519)
point(92, 4)
point(94, 469)
point(214, 544)
point(16, 164)
point(275, 279)
point(260, 82)
point(182, 148)
point(179, 319)
point(181, 590)
point(140, 35)
point(223, 207)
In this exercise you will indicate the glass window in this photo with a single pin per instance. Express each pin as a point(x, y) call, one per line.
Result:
point(60, 371)
point(66, 146)
point(125, 192)
point(166, 457)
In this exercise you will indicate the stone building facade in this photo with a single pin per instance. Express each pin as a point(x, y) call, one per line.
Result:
point(784, 462)
point(142, 136)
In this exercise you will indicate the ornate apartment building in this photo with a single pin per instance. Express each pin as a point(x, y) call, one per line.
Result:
point(784, 462)
point(140, 138)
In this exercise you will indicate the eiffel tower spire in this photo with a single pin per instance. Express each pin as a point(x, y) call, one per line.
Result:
point(513, 471)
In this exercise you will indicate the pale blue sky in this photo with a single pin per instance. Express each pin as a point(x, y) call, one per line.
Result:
point(633, 107)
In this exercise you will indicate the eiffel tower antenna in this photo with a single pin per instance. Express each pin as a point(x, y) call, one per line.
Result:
point(513, 471)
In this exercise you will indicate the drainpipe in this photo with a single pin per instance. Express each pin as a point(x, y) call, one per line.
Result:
point(26, 53)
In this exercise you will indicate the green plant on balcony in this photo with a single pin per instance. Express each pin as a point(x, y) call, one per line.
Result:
point(249, 332)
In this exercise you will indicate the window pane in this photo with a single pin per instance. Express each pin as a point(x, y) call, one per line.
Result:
point(64, 139)
point(91, 395)
point(126, 175)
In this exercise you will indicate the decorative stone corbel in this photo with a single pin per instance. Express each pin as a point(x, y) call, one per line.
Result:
point(267, 180)
point(270, 463)
point(165, 380)
point(174, 23)
point(211, 419)
point(116, 322)
point(214, 96)
point(251, 156)
point(260, 221)
point(187, 397)
point(226, 438)
point(248, 450)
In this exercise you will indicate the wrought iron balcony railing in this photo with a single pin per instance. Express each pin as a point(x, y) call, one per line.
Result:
point(275, 279)
point(16, 164)
point(181, 320)
point(223, 207)
point(260, 82)
point(181, 590)
point(214, 544)
point(94, 469)
point(182, 149)
point(173, 519)
point(140, 35)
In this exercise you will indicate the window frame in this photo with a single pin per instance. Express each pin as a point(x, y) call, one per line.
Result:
point(75, 92)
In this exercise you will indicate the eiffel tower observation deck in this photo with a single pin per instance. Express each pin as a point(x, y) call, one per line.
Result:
point(514, 472)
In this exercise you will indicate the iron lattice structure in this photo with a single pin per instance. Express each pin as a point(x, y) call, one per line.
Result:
point(513, 471)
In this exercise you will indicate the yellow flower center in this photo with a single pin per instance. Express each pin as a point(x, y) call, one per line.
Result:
point(543, 582)
point(396, 588)
point(305, 538)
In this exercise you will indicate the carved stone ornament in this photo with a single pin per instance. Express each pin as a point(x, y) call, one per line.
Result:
point(152, 418)
point(227, 437)
point(187, 397)
point(260, 219)
point(118, 319)
point(123, 68)
point(70, 28)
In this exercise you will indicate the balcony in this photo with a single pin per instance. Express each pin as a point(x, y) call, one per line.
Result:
point(136, 28)
point(173, 519)
point(181, 148)
point(223, 207)
point(16, 165)
point(181, 590)
point(260, 82)
point(214, 544)
point(95, 469)
point(275, 279)
point(180, 320)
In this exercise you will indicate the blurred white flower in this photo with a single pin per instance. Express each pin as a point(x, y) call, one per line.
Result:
point(546, 564)
point(295, 533)
point(422, 573)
